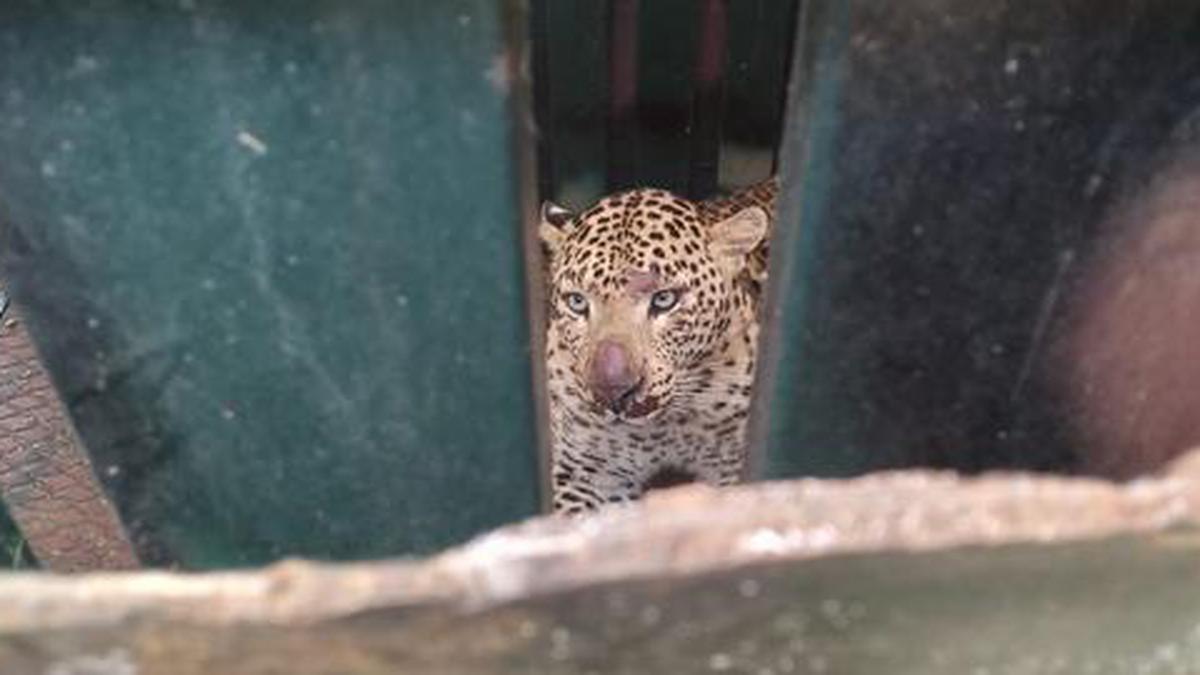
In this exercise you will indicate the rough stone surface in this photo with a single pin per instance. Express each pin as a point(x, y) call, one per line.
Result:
point(890, 573)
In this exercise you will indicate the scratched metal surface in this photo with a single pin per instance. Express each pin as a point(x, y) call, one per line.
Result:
point(270, 252)
point(955, 170)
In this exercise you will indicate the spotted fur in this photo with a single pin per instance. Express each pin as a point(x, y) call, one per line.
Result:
point(611, 270)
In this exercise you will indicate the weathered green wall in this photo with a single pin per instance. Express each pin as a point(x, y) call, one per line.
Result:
point(271, 252)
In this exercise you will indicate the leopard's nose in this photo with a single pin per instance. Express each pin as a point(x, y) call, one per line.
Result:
point(614, 378)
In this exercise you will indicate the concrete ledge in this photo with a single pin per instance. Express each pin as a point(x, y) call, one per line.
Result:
point(382, 612)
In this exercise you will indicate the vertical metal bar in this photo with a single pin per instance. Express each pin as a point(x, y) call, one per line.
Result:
point(46, 478)
point(622, 93)
point(784, 394)
point(528, 161)
point(542, 103)
point(708, 97)
point(789, 60)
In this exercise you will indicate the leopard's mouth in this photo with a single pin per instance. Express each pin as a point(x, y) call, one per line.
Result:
point(631, 407)
point(641, 408)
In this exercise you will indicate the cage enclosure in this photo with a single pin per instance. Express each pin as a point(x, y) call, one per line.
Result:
point(270, 287)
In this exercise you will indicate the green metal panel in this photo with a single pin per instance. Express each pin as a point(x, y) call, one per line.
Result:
point(271, 251)
point(946, 164)
point(791, 405)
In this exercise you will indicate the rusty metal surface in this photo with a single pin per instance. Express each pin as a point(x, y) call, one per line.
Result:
point(913, 573)
point(46, 479)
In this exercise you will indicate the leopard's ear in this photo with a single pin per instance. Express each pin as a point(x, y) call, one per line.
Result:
point(554, 226)
point(733, 239)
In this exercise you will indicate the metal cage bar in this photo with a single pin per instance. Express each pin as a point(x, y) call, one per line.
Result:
point(622, 93)
point(708, 98)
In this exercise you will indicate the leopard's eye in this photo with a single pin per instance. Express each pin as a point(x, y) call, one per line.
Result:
point(663, 301)
point(577, 303)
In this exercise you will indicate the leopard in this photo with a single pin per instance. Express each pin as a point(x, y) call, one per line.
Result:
point(653, 311)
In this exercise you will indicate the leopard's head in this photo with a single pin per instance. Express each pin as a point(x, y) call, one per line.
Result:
point(642, 296)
